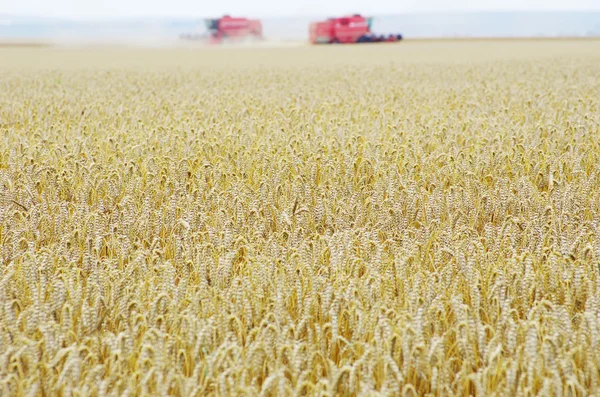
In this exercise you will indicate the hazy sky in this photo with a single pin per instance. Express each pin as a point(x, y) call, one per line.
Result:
point(201, 8)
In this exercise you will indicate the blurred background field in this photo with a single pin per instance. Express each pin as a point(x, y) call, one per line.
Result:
point(410, 52)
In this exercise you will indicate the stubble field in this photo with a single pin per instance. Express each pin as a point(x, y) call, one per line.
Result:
point(411, 219)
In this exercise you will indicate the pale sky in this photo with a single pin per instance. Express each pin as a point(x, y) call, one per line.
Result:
point(89, 9)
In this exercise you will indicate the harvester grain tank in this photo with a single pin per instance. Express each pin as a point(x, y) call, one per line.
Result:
point(347, 30)
point(229, 29)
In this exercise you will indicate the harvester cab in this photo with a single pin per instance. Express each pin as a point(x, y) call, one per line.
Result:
point(212, 25)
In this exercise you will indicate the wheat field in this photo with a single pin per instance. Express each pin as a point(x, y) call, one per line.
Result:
point(420, 219)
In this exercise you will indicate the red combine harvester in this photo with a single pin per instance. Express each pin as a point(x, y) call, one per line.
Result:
point(228, 29)
point(345, 30)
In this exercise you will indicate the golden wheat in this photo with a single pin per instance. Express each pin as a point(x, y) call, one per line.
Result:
point(419, 219)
